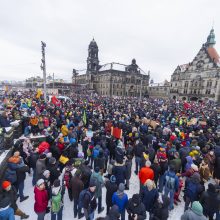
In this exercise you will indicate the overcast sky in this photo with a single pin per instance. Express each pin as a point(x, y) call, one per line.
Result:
point(160, 34)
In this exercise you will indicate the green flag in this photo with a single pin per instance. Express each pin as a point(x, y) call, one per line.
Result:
point(84, 117)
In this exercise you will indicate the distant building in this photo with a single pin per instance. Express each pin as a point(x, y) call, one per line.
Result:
point(159, 90)
point(112, 79)
point(199, 79)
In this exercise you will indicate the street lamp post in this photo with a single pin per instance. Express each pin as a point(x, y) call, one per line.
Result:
point(43, 67)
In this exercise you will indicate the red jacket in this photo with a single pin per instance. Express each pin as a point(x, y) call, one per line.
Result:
point(41, 200)
point(145, 174)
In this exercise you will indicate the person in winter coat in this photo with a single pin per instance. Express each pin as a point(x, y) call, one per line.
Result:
point(189, 162)
point(111, 187)
point(176, 162)
point(149, 195)
point(54, 171)
point(89, 204)
point(120, 199)
point(57, 200)
point(6, 212)
point(40, 166)
point(9, 191)
point(100, 161)
point(193, 189)
point(204, 171)
point(76, 186)
point(128, 165)
point(210, 201)
point(119, 171)
point(171, 185)
point(135, 208)
point(109, 169)
point(46, 177)
point(138, 151)
point(32, 161)
point(85, 174)
point(97, 178)
point(113, 214)
point(41, 200)
point(146, 173)
point(95, 154)
point(160, 210)
point(156, 168)
point(21, 175)
point(216, 173)
point(194, 213)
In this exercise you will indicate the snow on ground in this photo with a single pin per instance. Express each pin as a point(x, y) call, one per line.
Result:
point(28, 205)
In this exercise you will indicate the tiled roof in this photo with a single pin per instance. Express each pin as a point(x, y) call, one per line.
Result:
point(213, 54)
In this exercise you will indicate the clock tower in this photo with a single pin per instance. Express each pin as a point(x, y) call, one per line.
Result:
point(93, 59)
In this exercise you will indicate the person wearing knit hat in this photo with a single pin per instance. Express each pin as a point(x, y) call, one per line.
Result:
point(196, 212)
point(6, 184)
point(111, 187)
point(120, 199)
point(96, 176)
point(135, 208)
point(41, 199)
point(11, 192)
point(52, 160)
point(57, 200)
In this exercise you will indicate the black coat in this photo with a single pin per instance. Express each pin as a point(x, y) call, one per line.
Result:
point(110, 189)
point(54, 172)
point(21, 173)
point(100, 162)
point(119, 170)
point(210, 201)
point(139, 210)
point(76, 186)
point(160, 211)
point(156, 168)
point(12, 195)
point(128, 165)
point(138, 150)
point(33, 160)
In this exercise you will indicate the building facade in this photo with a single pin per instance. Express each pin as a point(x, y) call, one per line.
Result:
point(159, 90)
point(199, 79)
point(112, 79)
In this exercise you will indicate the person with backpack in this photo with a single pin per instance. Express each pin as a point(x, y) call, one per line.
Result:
point(97, 178)
point(193, 189)
point(111, 187)
point(100, 161)
point(95, 154)
point(120, 199)
point(41, 200)
point(135, 208)
point(57, 200)
point(76, 186)
point(171, 185)
point(87, 201)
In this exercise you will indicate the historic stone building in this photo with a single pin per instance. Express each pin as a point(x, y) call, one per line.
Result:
point(199, 79)
point(112, 79)
point(159, 90)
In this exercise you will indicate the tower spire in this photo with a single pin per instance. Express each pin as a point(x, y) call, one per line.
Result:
point(211, 39)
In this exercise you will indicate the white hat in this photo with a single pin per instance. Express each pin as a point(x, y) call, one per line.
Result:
point(39, 182)
point(194, 167)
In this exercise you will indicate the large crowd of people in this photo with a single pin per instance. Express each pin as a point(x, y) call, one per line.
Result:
point(92, 143)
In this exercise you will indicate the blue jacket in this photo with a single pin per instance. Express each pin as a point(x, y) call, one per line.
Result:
point(171, 176)
point(120, 200)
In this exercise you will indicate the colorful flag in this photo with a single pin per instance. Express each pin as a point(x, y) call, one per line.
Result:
point(84, 117)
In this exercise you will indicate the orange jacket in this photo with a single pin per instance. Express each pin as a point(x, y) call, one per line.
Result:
point(145, 174)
